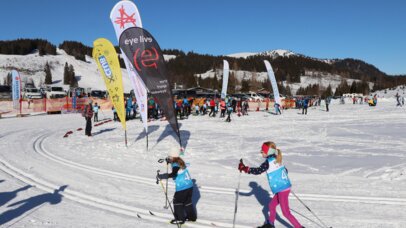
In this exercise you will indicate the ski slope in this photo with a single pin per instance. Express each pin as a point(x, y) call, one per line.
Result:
point(347, 165)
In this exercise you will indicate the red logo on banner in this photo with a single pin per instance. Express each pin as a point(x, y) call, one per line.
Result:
point(148, 58)
point(124, 18)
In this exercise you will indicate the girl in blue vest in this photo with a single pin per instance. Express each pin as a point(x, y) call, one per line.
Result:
point(182, 200)
point(278, 181)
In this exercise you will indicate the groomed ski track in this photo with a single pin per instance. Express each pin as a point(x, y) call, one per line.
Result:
point(38, 147)
point(141, 213)
point(36, 154)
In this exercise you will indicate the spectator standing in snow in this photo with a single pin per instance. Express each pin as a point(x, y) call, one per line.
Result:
point(278, 181)
point(96, 112)
point(129, 106)
point(305, 106)
point(229, 111)
point(222, 108)
point(182, 200)
point(278, 109)
point(115, 116)
point(135, 106)
point(245, 108)
point(88, 114)
point(327, 103)
point(212, 107)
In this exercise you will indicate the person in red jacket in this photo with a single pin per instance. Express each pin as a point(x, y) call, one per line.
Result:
point(88, 114)
point(222, 108)
point(212, 107)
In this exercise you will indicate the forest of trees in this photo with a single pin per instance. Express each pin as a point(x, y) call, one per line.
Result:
point(76, 49)
point(27, 46)
point(183, 68)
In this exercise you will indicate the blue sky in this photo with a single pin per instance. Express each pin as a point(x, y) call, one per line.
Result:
point(370, 30)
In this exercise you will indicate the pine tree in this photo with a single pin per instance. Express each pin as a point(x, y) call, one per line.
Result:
point(73, 81)
point(48, 74)
point(8, 80)
point(66, 75)
point(267, 84)
point(245, 85)
point(353, 88)
point(329, 91)
point(288, 91)
point(231, 83)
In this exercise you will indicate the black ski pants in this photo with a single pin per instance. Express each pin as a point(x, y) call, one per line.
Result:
point(88, 130)
point(182, 203)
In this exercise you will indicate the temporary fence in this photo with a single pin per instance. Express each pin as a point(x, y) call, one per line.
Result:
point(59, 105)
point(68, 104)
point(267, 104)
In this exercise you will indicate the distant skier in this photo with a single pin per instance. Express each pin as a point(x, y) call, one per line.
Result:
point(278, 181)
point(398, 100)
point(88, 114)
point(182, 200)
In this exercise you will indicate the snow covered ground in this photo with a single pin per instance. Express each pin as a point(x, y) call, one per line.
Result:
point(348, 165)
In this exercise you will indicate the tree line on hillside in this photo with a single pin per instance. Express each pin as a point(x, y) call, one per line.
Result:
point(27, 46)
point(183, 68)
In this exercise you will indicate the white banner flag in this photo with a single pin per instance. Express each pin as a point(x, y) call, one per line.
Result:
point(125, 15)
point(16, 89)
point(273, 82)
point(225, 79)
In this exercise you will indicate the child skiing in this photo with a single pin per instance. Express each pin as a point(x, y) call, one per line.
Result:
point(182, 200)
point(278, 181)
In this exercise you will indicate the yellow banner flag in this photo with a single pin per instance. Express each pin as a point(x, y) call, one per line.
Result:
point(107, 61)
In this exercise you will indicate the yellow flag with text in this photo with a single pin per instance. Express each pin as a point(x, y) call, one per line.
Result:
point(107, 61)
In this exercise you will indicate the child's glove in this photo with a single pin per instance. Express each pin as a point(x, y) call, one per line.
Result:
point(243, 168)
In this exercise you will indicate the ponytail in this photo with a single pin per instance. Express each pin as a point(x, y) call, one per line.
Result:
point(273, 146)
point(180, 162)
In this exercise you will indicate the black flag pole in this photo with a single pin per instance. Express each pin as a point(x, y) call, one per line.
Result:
point(125, 136)
point(147, 138)
point(147, 58)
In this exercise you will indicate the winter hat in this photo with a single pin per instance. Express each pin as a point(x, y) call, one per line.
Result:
point(174, 153)
point(265, 148)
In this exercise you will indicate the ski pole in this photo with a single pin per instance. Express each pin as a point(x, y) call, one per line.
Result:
point(166, 195)
point(166, 188)
point(307, 218)
point(237, 193)
point(310, 210)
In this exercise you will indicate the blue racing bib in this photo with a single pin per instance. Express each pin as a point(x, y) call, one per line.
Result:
point(183, 180)
point(277, 176)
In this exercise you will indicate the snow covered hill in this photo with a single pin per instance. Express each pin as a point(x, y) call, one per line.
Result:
point(273, 54)
point(32, 66)
point(309, 78)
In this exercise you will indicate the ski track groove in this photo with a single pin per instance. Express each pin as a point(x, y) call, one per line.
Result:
point(38, 147)
point(92, 201)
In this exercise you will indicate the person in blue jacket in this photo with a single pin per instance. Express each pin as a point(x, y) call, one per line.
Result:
point(278, 182)
point(182, 200)
point(305, 105)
